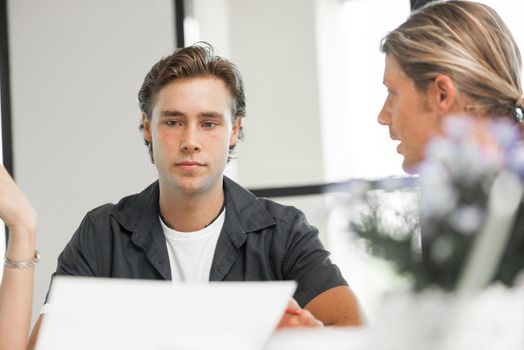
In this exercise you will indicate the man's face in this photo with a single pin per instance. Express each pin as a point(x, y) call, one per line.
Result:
point(408, 114)
point(191, 130)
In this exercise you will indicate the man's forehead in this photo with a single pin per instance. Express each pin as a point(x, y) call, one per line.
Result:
point(204, 85)
point(193, 80)
point(199, 95)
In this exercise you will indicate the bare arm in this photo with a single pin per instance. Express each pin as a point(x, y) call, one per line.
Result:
point(34, 334)
point(336, 307)
point(16, 290)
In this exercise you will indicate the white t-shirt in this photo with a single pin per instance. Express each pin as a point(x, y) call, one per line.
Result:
point(191, 253)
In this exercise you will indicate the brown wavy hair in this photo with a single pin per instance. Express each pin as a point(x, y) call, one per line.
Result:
point(198, 60)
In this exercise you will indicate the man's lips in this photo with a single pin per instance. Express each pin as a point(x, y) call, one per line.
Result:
point(189, 164)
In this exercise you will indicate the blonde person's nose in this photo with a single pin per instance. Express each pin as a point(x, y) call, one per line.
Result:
point(384, 116)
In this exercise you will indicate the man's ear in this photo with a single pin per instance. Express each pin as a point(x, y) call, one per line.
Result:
point(146, 126)
point(237, 124)
point(444, 93)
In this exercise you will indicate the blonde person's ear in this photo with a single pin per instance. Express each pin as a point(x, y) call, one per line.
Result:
point(445, 94)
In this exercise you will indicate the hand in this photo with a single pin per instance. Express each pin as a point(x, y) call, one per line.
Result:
point(15, 209)
point(295, 317)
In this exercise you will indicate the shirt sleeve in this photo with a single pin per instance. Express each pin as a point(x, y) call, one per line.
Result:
point(307, 262)
point(79, 256)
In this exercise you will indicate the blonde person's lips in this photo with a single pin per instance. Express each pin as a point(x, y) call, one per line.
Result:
point(395, 138)
point(392, 136)
point(399, 151)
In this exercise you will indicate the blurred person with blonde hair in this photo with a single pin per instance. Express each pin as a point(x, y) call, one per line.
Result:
point(453, 57)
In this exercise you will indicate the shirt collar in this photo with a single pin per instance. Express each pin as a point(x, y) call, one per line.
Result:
point(139, 212)
point(245, 213)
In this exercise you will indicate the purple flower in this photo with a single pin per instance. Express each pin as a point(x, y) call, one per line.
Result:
point(455, 127)
point(467, 219)
point(437, 196)
point(506, 133)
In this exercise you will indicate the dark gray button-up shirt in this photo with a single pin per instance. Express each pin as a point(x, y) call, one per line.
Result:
point(260, 241)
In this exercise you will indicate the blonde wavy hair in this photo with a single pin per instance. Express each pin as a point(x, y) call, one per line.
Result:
point(468, 42)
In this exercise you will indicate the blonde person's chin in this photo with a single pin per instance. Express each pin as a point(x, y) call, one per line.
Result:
point(410, 166)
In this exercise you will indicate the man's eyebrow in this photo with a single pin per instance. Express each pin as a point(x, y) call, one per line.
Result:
point(175, 113)
point(214, 115)
point(171, 113)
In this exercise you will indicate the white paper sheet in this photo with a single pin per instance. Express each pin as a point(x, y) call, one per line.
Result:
point(95, 313)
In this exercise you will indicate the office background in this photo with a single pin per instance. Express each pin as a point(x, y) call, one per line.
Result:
point(312, 71)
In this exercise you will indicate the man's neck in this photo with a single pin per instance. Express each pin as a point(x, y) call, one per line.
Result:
point(190, 212)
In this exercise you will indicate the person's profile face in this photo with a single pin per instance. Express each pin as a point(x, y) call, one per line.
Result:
point(191, 130)
point(408, 114)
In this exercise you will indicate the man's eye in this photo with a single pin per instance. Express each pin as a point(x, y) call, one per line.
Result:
point(208, 125)
point(172, 123)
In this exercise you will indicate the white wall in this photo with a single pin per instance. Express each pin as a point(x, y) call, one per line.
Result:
point(273, 43)
point(334, 90)
point(76, 67)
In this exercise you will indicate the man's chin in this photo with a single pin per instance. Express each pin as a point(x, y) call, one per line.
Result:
point(185, 185)
point(194, 186)
point(191, 187)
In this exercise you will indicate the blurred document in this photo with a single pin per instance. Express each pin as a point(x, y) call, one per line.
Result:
point(96, 313)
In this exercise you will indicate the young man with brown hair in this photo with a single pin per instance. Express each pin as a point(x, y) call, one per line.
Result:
point(194, 224)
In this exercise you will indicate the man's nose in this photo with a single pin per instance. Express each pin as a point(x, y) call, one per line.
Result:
point(190, 141)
